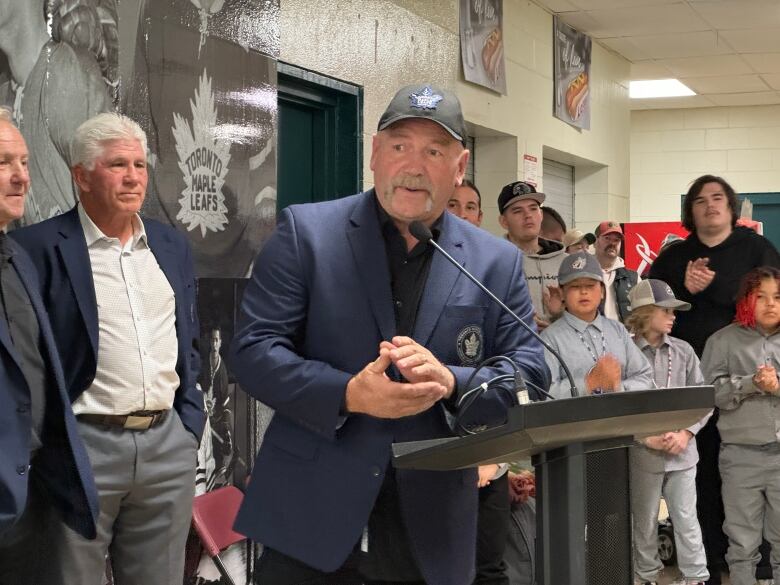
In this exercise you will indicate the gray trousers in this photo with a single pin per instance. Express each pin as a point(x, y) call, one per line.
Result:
point(751, 500)
point(145, 481)
point(679, 491)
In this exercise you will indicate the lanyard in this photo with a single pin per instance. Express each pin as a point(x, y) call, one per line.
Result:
point(668, 368)
point(588, 346)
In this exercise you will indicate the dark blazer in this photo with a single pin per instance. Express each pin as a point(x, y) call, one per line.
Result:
point(314, 312)
point(58, 249)
point(62, 463)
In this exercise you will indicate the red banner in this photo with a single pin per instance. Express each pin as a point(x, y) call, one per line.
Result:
point(643, 241)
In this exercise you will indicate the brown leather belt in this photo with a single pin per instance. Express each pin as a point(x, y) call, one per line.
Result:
point(135, 421)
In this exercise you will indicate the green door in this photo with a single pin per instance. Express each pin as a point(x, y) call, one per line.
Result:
point(320, 130)
point(766, 209)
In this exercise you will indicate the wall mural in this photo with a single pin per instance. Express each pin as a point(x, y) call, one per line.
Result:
point(200, 77)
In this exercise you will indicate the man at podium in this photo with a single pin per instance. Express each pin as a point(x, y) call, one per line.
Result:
point(360, 336)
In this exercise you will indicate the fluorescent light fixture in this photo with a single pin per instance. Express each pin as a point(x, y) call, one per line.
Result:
point(658, 88)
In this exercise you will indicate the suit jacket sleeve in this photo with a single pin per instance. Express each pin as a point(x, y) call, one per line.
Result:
point(273, 318)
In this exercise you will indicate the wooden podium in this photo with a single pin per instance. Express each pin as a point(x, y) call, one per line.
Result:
point(579, 447)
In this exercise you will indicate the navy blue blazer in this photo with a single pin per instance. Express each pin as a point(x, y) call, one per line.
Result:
point(62, 463)
point(59, 252)
point(314, 312)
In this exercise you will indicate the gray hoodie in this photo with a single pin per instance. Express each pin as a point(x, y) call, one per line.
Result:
point(541, 271)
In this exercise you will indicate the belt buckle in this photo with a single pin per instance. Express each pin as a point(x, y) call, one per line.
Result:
point(138, 423)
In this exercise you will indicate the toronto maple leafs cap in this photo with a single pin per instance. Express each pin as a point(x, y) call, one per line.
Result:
point(655, 292)
point(427, 102)
point(579, 265)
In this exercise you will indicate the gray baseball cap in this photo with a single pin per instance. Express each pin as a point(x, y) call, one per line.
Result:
point(579, 265)
point(655, 292)
point(427, 102)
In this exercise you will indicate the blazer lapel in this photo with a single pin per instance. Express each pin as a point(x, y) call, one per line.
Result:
point(75, 258)
point(5, 340)
point(368, 250)
point(23, 270)
point(168, 260)
point(441, 280)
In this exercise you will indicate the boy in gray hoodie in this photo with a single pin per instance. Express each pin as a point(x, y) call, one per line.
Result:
point(520, 209)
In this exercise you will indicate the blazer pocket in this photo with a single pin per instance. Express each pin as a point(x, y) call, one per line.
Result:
point(461, 332)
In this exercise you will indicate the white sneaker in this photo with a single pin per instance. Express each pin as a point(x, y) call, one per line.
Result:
point(766, 582)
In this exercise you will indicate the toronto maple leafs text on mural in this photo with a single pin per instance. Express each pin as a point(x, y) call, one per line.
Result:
point(203, 160)
point(204, 167)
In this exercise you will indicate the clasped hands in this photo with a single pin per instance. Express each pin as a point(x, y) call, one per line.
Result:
point(765, 378)
point(698, 276)
point(371, 392)
point(673, 442)
point(604, 376)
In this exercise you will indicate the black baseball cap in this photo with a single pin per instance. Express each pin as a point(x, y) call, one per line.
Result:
point(517, 191)
point(427, 102)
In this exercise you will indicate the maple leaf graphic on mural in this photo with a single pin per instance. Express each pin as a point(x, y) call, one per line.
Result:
point(203, 160)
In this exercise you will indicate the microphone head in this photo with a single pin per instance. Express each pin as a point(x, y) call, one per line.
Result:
point(420, 231)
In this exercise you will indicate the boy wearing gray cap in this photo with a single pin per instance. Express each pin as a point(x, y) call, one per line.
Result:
point(599, 351)
point(665, 464)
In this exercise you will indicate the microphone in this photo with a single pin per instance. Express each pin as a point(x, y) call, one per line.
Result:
point(422, 233)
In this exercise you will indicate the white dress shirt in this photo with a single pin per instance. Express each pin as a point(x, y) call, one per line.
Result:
point(137, 343)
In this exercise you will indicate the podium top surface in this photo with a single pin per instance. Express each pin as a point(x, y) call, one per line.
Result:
point(542, 426)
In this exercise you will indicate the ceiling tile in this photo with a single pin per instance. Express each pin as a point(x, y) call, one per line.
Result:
point(649, 70)
point(705, 66)
point(557, 5)
point(746, 99)
point(644, 20)
point(753, 41)
point(763, 62)
point(696, 44)
point(611, 4)
point(726, 84)
point(736, 14)
point(626, 48)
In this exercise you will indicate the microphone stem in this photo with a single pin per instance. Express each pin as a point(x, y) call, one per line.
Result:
point(511, 312)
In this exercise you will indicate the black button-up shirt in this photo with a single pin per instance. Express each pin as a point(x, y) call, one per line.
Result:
point(22, 324)
point(389, 555)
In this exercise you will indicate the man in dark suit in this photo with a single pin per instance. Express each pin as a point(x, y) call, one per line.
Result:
point(360, 336)
point(42, 459)
point(120, 293)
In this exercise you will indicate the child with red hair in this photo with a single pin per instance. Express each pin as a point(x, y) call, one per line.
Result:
point(741, 361)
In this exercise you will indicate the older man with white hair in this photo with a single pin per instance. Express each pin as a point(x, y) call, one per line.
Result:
point(120, 291)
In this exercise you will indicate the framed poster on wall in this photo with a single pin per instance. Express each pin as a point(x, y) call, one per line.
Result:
point(571, 75)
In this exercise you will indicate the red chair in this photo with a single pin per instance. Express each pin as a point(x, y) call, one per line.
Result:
point(213, 514)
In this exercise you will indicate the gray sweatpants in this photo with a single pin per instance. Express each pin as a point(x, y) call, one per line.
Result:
point(679, 491)
point(751, 500)
point(146, 482)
